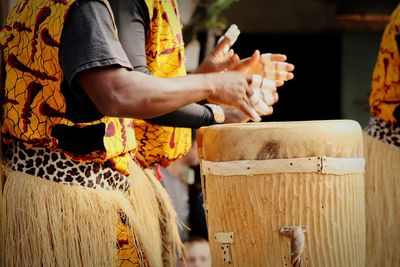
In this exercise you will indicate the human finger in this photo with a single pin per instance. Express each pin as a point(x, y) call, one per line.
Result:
point(222, 47)
point(268, 97)
point(223, 41)
point(265, 84)
point(251, 64)
point(269, 91)
point(231, 34)
point(279, 75)
point(249, 92)
point(245, 103)
point(258, 102)
point(279, 83)
point(235, 59)
point(273, 57)
point(251, 61)
point(262, 108)
point(256, 81)
point(268, 84)
point(271, 110)
point(246, 107)
point(276, 96)
point(232, 61)
point(278, 66)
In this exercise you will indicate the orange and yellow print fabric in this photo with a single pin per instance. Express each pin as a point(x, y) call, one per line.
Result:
point(129, 249)
point(165, 58)
point(34, 104)
point(385, 95)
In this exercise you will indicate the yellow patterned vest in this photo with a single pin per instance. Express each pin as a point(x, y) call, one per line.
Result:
point(34, 104)
point(165, 58)
point(385, 94)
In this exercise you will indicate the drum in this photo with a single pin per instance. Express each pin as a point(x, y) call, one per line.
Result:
point(284, 193)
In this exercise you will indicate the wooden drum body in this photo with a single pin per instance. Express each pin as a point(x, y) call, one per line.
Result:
point(284, 194)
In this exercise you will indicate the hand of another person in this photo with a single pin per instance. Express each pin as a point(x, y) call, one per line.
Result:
point(275, 68)
point(222, 57)
point(272, 66)
point(251, 65)
point(232, 89)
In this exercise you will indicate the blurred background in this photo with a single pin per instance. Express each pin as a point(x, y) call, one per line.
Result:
point(332, 43)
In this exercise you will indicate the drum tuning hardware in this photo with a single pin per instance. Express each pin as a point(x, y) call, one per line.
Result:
point(297, 243)
point(225, 239)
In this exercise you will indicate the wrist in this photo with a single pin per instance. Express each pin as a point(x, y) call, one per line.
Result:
point(210, 85)
point(217, 113)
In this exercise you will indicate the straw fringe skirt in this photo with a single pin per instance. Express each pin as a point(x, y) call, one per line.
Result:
point(2, 180)
point(382, 196)
point(44, 223)
point(149, 199)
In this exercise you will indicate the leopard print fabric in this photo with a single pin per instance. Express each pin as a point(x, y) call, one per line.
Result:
point(55, 166)
point(384, 131)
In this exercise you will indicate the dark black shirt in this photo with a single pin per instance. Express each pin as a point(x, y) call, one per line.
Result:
point(88, 40)
point(133, 20)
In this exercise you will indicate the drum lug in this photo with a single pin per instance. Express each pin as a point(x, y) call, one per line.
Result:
point(297, 243)
point(225, 239)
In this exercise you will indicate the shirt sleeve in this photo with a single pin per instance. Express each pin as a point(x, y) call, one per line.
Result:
point(89, 40)
point(191, 116)
point(132, 19)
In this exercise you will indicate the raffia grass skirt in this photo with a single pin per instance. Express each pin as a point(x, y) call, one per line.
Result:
point(1, 195)
point(44, 223)
point(382, 196)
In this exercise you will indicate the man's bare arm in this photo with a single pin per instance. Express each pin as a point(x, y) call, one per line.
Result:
point(119, 92)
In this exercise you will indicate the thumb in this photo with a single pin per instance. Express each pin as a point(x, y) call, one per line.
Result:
point(248, 63)
point(255, 57)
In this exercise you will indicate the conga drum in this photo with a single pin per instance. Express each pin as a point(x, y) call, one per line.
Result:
point(284, 193)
